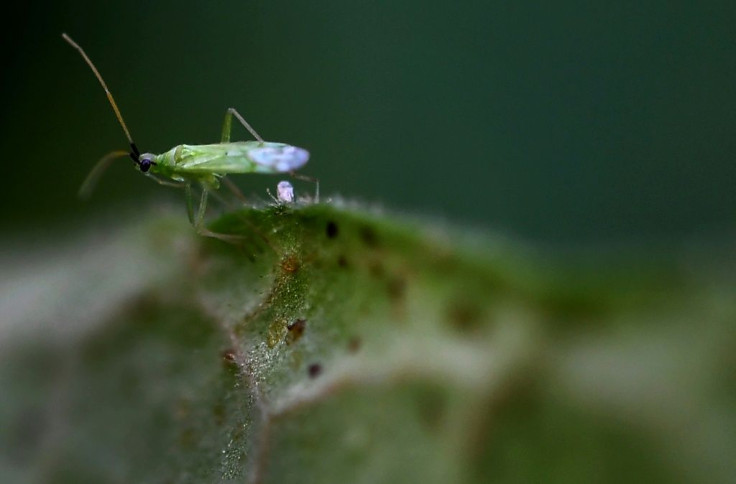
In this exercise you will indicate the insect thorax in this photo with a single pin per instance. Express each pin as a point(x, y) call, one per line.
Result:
point(175, 162)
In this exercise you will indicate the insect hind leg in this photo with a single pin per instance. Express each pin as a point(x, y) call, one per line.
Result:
point(227, 126)
point(234, 190)
point(310, 179)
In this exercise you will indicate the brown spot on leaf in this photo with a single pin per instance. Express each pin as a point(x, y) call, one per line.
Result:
point(368, 236)
point(229, 358)
point(431, 406)
point(218, 412)
point(354, 344)
point(376, 269)
point(290, 263)
point(396, 287)
point(463, 315)
point(295, 330)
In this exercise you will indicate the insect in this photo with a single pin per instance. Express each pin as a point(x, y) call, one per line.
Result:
point(284, 193)
point(203, 165)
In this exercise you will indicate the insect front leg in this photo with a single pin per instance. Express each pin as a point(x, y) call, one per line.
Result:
point(227, 126)
point(89, 183)
point(167, 183)
point(198, 219)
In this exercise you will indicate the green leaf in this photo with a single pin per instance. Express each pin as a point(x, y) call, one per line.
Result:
point(330, 344)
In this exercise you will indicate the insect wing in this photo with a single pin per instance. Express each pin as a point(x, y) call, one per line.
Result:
point(242, 157)
point(278, 157)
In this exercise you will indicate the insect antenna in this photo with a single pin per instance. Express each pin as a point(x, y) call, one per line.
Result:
point(134, 153)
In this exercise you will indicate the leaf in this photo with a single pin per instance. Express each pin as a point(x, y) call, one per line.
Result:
point(329, 344)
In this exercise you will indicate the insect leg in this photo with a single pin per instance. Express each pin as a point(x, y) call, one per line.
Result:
point(89, 183)
point(234, 189)
point(235, 238)
point(227, 125)
point(310, 179)
point(190, 203)
point(166, 183)
point(195, 220)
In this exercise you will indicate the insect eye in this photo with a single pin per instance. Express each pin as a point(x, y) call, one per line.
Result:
point(145, 164)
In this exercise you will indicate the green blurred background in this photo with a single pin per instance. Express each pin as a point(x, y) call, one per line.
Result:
point(561, 122)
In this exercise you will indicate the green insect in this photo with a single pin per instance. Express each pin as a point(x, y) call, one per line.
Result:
point(204, 165)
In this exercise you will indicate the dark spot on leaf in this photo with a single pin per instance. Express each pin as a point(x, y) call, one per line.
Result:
point(218, 412)
point(342, 261)
point(331, 229)
point(375, 267)
point(354, 344)
point(295, 330)
point(228, 356)
point(369, 237)
point(290, 264)
point(431, 405)
point(464, 315)
point(314, 370)
point(397, 288)
point(230, 361)
point(187, 438)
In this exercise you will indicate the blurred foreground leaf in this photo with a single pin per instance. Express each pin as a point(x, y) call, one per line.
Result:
point(330, 345)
